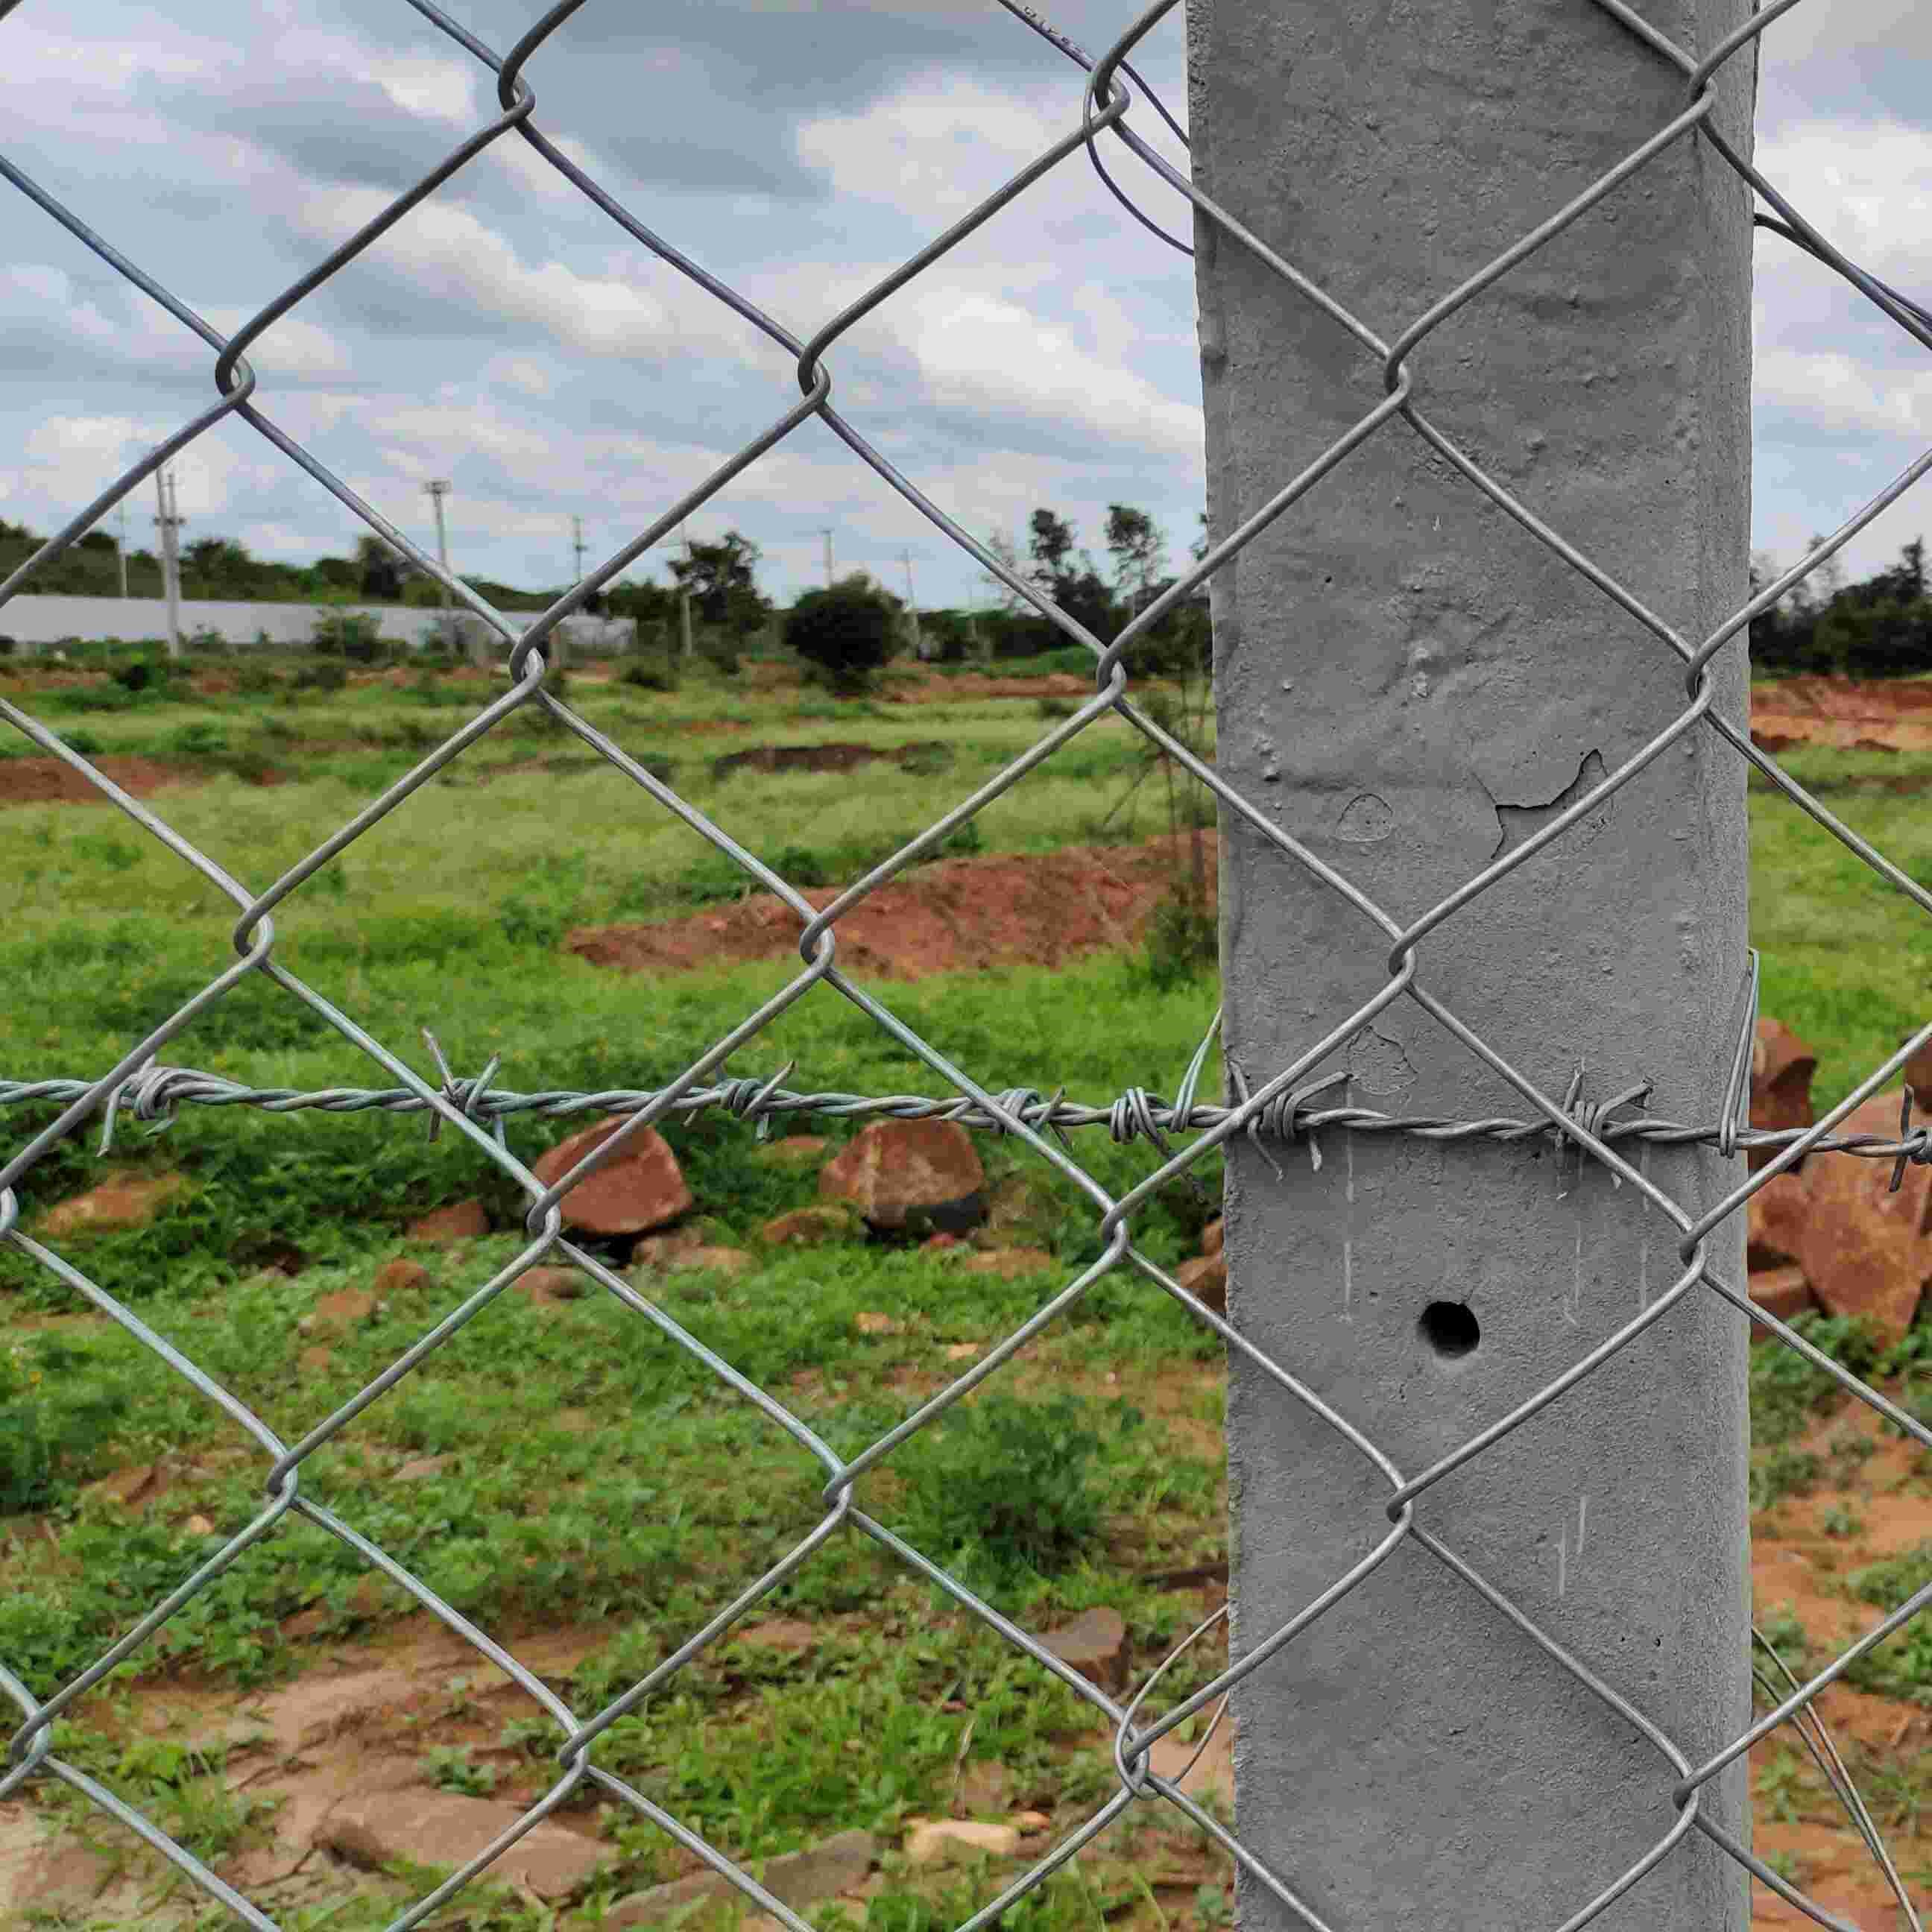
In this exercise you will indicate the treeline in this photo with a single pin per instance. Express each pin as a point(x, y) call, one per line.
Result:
point(218, 567)
point(1881, 628)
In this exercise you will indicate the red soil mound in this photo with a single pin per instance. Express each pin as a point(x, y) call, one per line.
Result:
point(1038, 909)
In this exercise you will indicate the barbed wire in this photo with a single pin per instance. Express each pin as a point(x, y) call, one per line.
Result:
point(152, 1098)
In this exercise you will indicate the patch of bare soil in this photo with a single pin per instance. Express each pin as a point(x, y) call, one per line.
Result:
point(835, 757)
point(52, 781)
point(1033, 909)
point(1874, 714)
point(973, 684)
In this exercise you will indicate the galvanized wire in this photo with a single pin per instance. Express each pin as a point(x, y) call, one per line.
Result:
point(1280, 1109)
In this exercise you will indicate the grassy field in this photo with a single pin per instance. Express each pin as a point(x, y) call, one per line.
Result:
point(592, 1477)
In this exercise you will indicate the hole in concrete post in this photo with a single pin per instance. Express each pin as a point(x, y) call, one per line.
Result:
point(1451, 1328)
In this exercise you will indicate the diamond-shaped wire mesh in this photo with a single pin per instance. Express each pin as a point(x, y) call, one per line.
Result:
point(1282, 1111)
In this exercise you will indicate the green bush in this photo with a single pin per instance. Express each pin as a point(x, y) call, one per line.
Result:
point(347, 634)
point(844, 634)
point(1006, 1483)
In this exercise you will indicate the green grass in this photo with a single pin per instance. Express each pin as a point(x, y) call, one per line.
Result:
point(598, 1473)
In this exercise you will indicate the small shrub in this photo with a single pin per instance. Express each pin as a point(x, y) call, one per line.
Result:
point(347, 634)
point(323, 676)
point(450, 1768)
point(85, 742)
point(1182, 939)
point(1055, 707)
point(1010, 1483)
point(659, 672)
point(845, 633)
point(52, 1417)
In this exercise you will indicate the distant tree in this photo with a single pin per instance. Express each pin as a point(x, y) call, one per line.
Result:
point(97, 540)
point(219, 564)
point(1135, 543)
point(847, 632)
point(722, 580)
point(379, 569)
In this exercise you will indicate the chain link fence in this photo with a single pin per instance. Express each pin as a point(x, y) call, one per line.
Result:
point(1287, 1108)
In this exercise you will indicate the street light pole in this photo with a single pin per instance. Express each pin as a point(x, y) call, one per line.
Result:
point(438, 490)
point(912, 606)
point(169, 517)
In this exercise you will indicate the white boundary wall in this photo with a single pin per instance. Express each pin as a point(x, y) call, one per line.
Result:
point(39, 622)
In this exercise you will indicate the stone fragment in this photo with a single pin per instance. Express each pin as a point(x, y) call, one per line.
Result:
point(141, 1484)
point(952, 1841)
point(418, 1468)
point(1032, 1821)
point(315, 1361)
point(461, 1221)
point(547, 1286)
point(1008, 1264)
point(915, 1176)
point(662, 1251)
point(1095, 1644)
point(810, 1227)
point(199, 1525)
point(795, 1150)
point(401, 1276)
point(963, 1352)
point(1780, 1096)
point(1210, 1237)
point(1205, 1277)
point(442, 1828)
point(1775, 1217)
point(123, 1201)
point(797, 1879)
point(1781, 1291)
point(718, 1260)
point(870, 1321)
point(1864, 1251)
point(640, 1188)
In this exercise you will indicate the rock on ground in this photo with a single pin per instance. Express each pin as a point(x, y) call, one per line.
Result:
point(914, 1176)
point(1866, 1252)
point(1780, 1096)
point(1775, 1217)
point(640, 1188)
point(795, 1878)
point(441, 1827)
point(810, 1227)
point(1781, 1291)
point(1095, 1644)
point(948, 1839)
point(1205, 1277)
point(462, 1221)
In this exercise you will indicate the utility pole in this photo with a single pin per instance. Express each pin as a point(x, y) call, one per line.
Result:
point(577, 547)
point(912, 606)
point(1409, 668)
point(121, 542)
point(827, 533)
point(438, 490)
point(684, 595)
point(168, 520)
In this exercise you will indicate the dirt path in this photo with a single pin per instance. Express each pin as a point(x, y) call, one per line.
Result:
point(52, 781)
point(1035, 908)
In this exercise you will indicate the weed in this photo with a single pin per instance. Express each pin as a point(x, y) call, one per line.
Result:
point(1889, 1583)
point(1839, 1521)
point(450, 1768)
point(1783, 1472)
point(1007, 1482)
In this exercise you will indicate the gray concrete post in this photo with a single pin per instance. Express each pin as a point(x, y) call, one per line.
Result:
point(1410, 682)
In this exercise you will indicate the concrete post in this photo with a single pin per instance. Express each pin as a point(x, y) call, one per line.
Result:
point(1409, 683)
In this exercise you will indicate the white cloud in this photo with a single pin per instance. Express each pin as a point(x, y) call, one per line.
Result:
point(939, 147)
point(453, 256)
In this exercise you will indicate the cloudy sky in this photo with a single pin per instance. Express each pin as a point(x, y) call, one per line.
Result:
point(509, 337)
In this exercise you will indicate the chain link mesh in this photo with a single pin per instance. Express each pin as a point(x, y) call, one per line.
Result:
point(1281, 1110)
